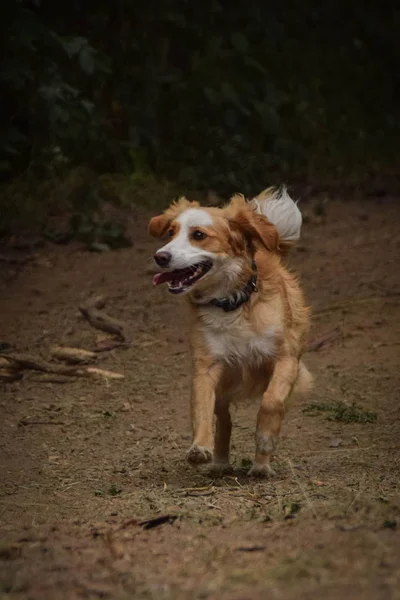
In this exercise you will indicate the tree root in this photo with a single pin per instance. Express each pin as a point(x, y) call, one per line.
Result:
point(91, 310)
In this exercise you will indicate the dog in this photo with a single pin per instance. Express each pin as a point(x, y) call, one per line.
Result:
point(249, 321)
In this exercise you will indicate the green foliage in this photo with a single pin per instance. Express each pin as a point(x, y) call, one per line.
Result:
point(98, 233)
point(47, 115)
point(213, 94)
point(339, 411)
point(114, 490)
point(390, 524)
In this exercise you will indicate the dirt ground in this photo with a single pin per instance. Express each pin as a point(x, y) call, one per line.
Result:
point(83, 463)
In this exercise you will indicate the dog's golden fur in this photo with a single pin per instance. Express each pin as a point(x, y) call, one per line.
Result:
point(253, 352)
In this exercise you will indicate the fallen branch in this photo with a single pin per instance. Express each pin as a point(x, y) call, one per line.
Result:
point(73, 355)
point(10, 375)
point(39, 422)
point(250, 549)
point(91, 371)
point(99, 320)
point(21, 363)
point(149, 523)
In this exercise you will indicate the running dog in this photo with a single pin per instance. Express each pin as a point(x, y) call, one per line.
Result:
point(249, 321)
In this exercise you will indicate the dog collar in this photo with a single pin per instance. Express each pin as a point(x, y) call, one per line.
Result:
point(230, 303)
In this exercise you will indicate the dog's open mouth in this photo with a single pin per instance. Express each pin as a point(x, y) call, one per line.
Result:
point(182, 280)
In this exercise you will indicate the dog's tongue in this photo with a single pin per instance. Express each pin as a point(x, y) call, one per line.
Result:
point(179, 275)
point(161, 278)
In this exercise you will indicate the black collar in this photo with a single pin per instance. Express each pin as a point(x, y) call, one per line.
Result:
point(230, 303)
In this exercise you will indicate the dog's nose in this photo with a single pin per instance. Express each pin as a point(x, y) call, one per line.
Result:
point(162, 259)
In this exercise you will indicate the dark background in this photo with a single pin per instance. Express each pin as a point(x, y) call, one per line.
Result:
point(207, 95)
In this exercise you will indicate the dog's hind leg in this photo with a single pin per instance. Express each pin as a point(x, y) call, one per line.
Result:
point(271, 413)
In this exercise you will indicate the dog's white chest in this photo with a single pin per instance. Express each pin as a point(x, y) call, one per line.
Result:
point(234, 342)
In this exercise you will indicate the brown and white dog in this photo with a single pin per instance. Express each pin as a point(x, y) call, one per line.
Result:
point(249, 321)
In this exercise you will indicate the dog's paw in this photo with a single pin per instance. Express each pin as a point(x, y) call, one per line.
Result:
point(199, 455)
point(261, 470)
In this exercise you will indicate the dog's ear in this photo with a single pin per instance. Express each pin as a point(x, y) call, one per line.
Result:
point(257, 228)
point(158, 225)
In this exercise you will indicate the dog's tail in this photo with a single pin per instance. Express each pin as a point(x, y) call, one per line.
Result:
point(281, 210)
point(304, 381)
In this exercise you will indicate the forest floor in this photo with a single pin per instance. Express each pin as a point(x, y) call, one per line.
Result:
point(85, 462)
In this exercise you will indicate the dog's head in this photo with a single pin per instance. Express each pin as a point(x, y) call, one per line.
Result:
point(209, 247)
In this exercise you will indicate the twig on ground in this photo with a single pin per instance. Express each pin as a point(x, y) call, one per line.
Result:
point(250, 549)
point(73, 356)
point(91, 310)
point(92, 371)
point(10, 375)
point(39, 422)
point(151, 523)
point(21, 363)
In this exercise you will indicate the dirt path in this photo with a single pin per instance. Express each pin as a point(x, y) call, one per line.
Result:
point(113, 451)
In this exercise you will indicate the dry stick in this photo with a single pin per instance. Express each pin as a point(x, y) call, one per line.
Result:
point(28, 422)
point(103, 373)
point(73, 355)
point(9, 374)
point(103, 322)
point(19, 363)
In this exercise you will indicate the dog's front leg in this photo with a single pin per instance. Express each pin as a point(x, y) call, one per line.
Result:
point(271, 413)
point(204, 383)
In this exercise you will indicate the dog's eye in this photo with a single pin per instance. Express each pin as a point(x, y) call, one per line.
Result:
point(170, 232)
point(198, 235)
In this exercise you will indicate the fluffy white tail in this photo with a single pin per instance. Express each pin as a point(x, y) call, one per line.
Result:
point(305, 380)
point(281, 210)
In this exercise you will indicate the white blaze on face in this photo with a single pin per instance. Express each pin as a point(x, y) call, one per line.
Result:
point(184, 253)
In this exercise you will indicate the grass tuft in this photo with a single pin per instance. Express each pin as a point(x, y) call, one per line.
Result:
point(341, 412)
